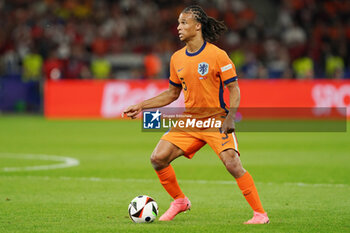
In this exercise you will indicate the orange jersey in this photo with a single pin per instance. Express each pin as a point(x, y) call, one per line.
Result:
point(202, 76)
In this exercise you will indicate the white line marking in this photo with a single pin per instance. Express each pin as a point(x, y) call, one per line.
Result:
point(70, 162)
point(65, 162)
point(220, 182)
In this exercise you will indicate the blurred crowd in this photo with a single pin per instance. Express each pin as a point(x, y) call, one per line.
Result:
point(103, 39)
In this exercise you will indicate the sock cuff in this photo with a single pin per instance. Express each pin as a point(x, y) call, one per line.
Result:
point(165, 171)
point(245, 181)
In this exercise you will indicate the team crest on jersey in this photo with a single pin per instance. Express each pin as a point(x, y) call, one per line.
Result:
point(203, 68)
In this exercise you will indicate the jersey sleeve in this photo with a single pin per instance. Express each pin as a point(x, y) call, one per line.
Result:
point(227, 69)
point(174, 79)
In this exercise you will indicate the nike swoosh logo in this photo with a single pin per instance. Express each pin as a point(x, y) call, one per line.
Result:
point(224, 143)
point(180, 69)
point(246, 194)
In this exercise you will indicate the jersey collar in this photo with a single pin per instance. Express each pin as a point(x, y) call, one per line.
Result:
point(198, 52)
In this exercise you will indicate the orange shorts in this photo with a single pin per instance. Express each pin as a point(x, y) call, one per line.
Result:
point(191, 142)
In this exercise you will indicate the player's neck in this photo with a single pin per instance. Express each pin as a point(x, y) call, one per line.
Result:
point(194, 44)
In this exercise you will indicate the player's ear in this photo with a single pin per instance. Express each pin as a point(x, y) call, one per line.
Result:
point(198, 26)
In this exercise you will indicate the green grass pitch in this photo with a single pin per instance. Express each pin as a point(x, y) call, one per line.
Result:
point(303, 180)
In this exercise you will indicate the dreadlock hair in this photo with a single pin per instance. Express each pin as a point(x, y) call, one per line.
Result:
point(211, 28)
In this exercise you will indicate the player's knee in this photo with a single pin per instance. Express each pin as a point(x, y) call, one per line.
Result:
point(233, 163)
point(157, 161)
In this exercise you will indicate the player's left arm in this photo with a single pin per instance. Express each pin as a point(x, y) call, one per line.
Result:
point(229, 123)
point(227, 72)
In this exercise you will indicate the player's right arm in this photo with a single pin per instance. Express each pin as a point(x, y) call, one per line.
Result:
point(160, 100)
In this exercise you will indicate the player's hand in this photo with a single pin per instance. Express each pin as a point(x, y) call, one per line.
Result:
point(132, 111)
point(229, 125)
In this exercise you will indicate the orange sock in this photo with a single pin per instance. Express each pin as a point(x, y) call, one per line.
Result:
point(247, 186)
point(167, 178)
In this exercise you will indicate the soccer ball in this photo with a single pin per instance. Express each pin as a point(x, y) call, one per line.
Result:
point(143, 209)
